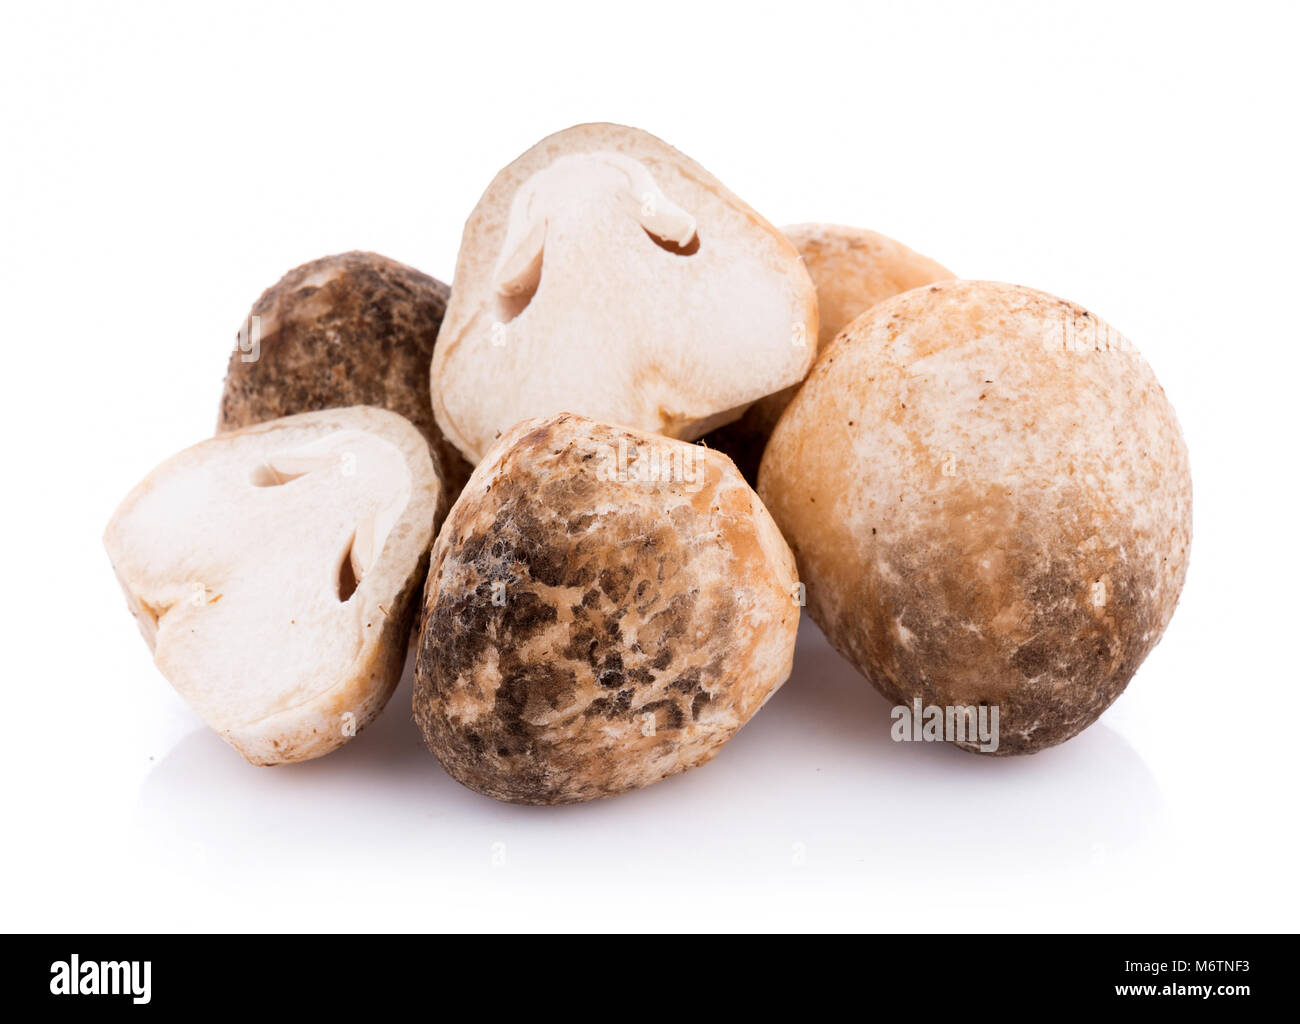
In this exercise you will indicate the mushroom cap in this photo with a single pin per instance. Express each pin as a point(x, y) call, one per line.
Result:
point(989, 497)
point(604, 608)
point(606, 273)
point(852, 270)
point(272, 571)
point(352, 329)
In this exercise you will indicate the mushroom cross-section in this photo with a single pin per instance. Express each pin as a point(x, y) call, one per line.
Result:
point(272, 570)
point(606, 274)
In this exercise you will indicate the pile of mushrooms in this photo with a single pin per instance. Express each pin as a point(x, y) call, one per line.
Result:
point(639, 434)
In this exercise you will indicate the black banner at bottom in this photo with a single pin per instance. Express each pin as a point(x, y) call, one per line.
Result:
point(259, 975)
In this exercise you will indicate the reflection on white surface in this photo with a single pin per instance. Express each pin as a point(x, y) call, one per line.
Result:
point(812, 793)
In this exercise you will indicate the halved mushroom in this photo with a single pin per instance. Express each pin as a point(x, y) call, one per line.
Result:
point(272, 571)
point(606, 274)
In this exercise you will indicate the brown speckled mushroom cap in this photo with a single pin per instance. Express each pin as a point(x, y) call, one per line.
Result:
point(989, 498)
point(605, 608)
point(852, 269)
point(352, 329)
point(605, 273)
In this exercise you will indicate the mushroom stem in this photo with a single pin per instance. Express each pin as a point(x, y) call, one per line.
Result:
point(573, 179)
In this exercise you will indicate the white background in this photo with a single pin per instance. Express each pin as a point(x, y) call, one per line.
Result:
point(164, 164)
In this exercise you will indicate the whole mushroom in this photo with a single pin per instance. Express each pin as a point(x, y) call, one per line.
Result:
point(852, 269)
point(605, 608)
point(989, 498)
point(352, 329)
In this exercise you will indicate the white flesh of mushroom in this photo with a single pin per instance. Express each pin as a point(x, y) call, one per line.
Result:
point(262, 566)
point(619, 281)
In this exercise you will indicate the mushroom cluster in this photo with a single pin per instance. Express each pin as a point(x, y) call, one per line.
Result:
point(979, 491)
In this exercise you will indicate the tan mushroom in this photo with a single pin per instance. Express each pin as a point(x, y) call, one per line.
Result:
point(852, 269)
point(989, 498)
